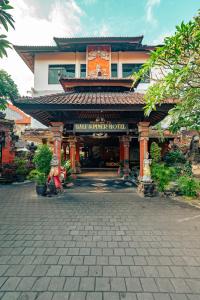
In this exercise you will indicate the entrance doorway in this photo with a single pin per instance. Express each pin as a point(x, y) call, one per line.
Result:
point(100, 153)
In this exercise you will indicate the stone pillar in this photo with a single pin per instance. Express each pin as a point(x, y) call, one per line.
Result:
point(57, 129)
point(64, 146)
point(121, 152)
point(77, 152)
point(72, 146)
point(124, 154)
point(143, 129)
point(7, 157)
point(78, 166)
point(126, 144)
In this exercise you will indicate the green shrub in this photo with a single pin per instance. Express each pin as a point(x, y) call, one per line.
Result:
point(187, 169)
point(155, 152)
point(21, 166)
point(67, 166)
point(188, 186)
point(42, 159)
point(38, 177)
point(162, 175)
point(174, 157)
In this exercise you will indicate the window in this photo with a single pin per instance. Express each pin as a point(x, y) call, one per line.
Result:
point(83, 71)
point(114, 73)
point(55, 71)
point(129, 69)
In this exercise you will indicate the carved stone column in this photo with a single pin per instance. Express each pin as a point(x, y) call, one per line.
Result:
point(121, 151)
point(72, 146)
point(124, 154)
point(77, 152)
point(64, 146)
point(6, 151)
point(78, 166)
point(143, 129)
point(57, 129)
point(146, 187)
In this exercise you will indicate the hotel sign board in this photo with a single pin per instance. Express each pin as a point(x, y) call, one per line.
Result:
point(101, 127)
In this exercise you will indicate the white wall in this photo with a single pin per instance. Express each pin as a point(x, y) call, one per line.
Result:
point(42, 62)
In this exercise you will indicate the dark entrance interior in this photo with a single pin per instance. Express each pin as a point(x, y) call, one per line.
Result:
point(100, 152)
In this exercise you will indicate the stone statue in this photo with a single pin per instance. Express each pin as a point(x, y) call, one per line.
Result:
point(147, 170)
point(53, 180)
point(193, 154)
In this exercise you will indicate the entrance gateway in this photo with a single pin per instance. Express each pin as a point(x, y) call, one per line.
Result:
point(100, 143)
point(99, 118)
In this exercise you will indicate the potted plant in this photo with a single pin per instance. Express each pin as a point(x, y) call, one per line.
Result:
point(40, 179)
point(7, 173)
point(21, 168)
point(41, 159)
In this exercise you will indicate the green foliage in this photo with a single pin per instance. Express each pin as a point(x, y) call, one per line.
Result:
point(174, 157)
point(187, 169)
point(155, 152)
point(37, 176)
point(188, 186)
point(67, 166)
point(21, 166)
point(6, 20)
point(162, 175)
point(42, 159)
point(178, 63)
point(8, 89)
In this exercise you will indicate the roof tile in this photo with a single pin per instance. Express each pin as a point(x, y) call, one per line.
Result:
point(88, 98)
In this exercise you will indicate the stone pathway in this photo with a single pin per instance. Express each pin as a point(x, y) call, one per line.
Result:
point(97, 247)
point(105, 185)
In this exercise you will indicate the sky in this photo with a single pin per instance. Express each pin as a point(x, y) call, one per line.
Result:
point(38, 21)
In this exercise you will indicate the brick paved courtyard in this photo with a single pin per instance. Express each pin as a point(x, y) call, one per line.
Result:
point(97, 246)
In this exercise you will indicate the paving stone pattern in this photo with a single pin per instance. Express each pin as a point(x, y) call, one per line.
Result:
point(97, 247)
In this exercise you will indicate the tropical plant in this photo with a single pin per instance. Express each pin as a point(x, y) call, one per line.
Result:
point(174, 157)
point(37, 176)
point(21, 166)
point(8, 89)
point(187, 169)
point(67, 167)
point(162, 175)
point(188, 186)
point(42, 159)
point(155, 152)
point(176, 75)
point(6, 20)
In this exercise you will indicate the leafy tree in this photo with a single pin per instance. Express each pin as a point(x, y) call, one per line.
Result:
point(8, 89)
point(6, 19)
point(175, 72)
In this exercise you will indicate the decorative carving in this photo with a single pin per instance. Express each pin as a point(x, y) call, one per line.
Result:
point(98, 63)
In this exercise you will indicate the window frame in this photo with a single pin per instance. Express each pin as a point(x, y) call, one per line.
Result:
point(117, 69)
point(85, 71)
point(145, 80)
point(61, 67)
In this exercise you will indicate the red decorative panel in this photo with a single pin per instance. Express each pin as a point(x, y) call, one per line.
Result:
point(98, 61)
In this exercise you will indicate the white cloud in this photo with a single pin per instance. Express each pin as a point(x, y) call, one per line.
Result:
point(104, 30)
point(149, 11)
point(64, 19)
point(161, 37)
